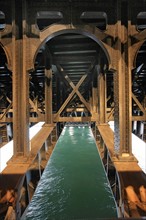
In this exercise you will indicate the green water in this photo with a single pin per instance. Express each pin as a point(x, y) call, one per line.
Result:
point(74, 184)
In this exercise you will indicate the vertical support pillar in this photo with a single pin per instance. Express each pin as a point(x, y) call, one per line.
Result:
point(48, 101)
point(119, 115)
point(91, 100)
point(94, 111)
point(48, 96)
point(58, 93)
point(122, 89)
point(20, 82)
point(48, 89)
point(102, 97)
point(55, 134)
point(94, 95)
point(43, 152)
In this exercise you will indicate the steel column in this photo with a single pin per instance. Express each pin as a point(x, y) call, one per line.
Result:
point(122, 94)
point(48, 89)
point(20, 82)
point(102, 97)
point(48, 96)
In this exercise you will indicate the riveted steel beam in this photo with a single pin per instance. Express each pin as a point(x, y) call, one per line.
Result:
point(20, 82)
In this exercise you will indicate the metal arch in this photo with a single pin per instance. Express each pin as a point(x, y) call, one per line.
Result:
point(56, 30)
point(135, 51)
point(8, 56)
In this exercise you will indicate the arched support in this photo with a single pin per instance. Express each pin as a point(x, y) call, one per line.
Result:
point(7, 50)
point(58, 29)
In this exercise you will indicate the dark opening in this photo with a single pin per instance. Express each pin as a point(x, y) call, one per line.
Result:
point(141, 21)
point(46, 18)
point(99, 19)
point(2, 21)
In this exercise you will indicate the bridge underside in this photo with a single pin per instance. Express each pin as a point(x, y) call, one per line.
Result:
point(73, 61)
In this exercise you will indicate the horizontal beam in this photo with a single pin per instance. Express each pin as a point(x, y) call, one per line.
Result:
point(42, 118)
point(138, 118)
point(73, 59)
point(75, 119)
point(76, 109)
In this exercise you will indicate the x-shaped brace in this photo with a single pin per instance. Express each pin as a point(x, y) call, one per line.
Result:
point(75, 90)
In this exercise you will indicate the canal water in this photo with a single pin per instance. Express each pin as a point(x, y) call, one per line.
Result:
point(74, 183)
